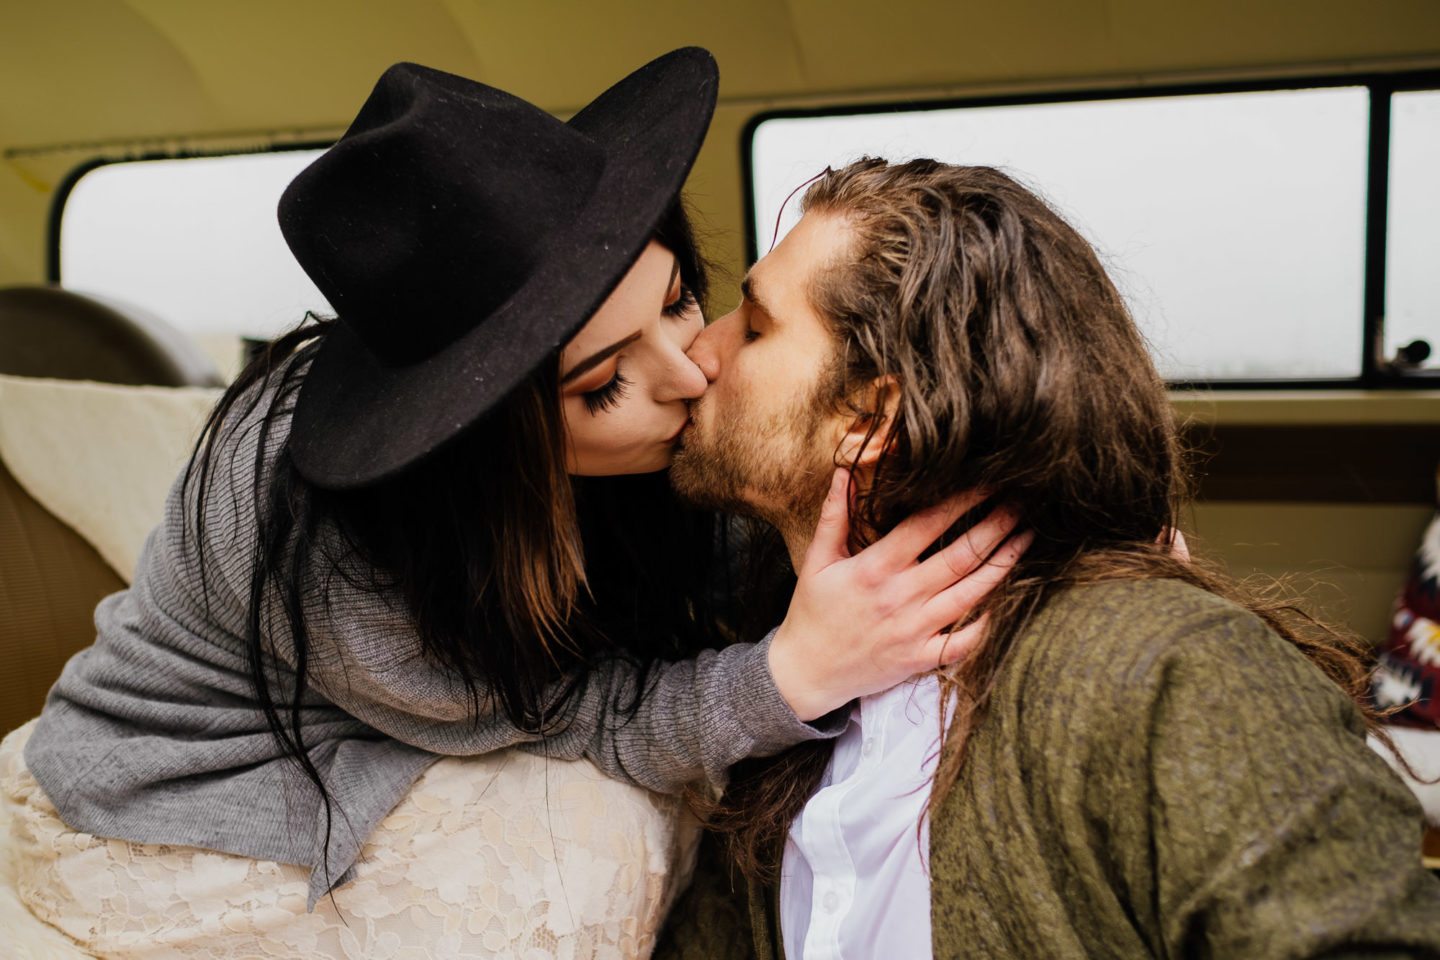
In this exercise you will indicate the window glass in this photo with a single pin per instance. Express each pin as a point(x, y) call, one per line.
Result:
point(194, 241)
point(1234, 223)
point(1412, 250)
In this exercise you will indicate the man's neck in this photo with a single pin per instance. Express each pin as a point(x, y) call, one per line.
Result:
point(797, 540)
point(797, 528)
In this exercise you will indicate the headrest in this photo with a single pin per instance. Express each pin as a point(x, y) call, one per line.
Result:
point(46, 331)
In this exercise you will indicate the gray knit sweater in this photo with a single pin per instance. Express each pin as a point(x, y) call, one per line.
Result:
point(153, 734)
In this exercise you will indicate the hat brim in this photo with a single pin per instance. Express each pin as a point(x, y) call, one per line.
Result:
point(358, 421)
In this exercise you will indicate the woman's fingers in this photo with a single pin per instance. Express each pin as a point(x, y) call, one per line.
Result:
point(954, 602)
point(958, 560)
point(947, 648)
point(859, 625)
point(1179, 549)
point(833, 531)
point(913, 535)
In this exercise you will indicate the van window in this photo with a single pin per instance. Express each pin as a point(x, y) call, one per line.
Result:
point(193, 240)
point(1233, 220)
point(1412, 250)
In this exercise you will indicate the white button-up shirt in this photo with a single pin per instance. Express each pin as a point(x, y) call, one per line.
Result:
point(855, 880)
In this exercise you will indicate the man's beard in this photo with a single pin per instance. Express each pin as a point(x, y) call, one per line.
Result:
point(761, 466)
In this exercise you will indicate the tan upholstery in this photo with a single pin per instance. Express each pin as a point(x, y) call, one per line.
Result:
point(50, 581)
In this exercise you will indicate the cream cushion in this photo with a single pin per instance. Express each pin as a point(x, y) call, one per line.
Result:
point(101, 457)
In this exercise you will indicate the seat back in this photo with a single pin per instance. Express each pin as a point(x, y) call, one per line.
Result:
point(46, 331)
point(51, 578)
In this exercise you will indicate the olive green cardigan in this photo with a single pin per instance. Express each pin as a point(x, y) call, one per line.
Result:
point(1159, 775)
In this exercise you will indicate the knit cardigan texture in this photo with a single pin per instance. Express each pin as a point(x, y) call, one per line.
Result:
point(154, 734)
point(1158, 775)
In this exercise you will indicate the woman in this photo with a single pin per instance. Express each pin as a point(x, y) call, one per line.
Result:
point(410, 538)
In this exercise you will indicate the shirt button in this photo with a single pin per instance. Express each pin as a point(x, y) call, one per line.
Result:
point(830, 902)
point(868, 747)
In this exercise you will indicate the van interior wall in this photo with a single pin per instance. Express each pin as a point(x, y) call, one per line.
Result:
point(1347, 561)
point(1332, 491)
point(88, 79)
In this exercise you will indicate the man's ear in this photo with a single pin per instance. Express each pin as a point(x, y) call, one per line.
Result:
point(866, 434)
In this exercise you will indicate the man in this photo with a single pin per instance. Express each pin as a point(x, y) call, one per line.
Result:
point(1132, 765)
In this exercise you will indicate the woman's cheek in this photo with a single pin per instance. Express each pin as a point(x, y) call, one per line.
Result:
point(624, 441)
point(613, 443)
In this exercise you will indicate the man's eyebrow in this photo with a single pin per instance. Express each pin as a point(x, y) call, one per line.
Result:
point(599, 357)
point(750, 291)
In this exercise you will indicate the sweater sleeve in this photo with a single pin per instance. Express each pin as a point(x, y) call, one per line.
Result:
point(661, 728)
point(1275, 830)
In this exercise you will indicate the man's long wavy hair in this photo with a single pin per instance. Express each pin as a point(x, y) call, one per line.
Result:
point(517, 578)
point(1019, 371)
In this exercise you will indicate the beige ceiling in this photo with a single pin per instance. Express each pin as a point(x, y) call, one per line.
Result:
point(81, 78)
point(86, 70)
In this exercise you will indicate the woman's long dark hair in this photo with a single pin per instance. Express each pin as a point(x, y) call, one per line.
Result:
point(1020, 371)
point(518, 578)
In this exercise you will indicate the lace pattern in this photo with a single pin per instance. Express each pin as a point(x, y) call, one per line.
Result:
point(507, 855)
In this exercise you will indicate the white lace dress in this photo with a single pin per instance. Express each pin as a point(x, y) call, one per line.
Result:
point(506, 855)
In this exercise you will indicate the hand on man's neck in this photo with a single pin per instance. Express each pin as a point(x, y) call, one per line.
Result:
point(797, 527)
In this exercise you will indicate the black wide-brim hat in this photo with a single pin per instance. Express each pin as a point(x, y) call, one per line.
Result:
point(463, 235)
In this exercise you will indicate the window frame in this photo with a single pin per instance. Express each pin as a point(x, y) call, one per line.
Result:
point(1375, 370)
point(68, 183)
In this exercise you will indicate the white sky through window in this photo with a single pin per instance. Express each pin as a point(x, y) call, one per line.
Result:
point(1233, 223)
point(194, 240)
point(1412, 248)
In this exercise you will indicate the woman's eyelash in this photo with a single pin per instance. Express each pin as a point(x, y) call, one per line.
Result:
point(683, 304)
point(604, 397)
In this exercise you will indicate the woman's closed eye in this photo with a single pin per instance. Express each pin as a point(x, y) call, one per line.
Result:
point(682, 304)
point(604, 397)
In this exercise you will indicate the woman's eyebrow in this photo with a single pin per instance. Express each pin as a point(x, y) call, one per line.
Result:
point(599, 357)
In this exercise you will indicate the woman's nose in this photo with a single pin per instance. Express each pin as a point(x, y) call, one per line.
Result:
point(688, 380)
point(705, 350)
point(682, 378)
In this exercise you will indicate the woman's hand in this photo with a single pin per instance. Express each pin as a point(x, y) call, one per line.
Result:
point(1179, 549)
point(861, 624)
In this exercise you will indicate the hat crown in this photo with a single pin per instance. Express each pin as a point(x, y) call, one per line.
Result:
point(497, 231)
point(434, 207)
